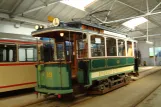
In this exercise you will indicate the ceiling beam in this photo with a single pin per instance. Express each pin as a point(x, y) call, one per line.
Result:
point(110, 10)
point(37, 8)
point(155, 7)
point(124, 19)
point(143, 30)
point(15, 7)
point(146, 36)
point(138, 10)
point(2, 2)
point(95, 10)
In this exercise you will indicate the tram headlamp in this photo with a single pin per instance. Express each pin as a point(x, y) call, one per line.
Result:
point(36, 27)
point(41, 27)
point(61, 34)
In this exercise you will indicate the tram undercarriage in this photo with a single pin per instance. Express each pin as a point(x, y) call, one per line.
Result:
point(109, 84)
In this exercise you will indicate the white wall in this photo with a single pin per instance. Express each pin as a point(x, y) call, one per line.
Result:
point(8, 27)
point(144, 49)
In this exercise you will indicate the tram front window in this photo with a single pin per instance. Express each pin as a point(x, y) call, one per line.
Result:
point(60, 51)
point(47, 52)
point(68, 48)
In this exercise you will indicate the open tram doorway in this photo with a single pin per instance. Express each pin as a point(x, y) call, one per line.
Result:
point(66, 47)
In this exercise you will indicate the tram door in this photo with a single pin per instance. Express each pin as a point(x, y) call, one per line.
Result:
point(71, 56)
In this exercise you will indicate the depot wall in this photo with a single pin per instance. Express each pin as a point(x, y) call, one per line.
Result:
point(8, 27)
point(144, 49)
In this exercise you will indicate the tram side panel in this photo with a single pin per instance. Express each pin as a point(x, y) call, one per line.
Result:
point(99, 69)
point(14, 76)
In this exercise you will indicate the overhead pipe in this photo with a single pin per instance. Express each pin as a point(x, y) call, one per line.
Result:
point(23, 19)
point(146, 36)
point(119, 20)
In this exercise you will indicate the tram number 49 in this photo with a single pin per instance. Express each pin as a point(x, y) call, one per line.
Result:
point(49, 74)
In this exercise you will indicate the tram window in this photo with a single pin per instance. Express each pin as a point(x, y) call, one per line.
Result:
point(121, 48)
point(8, 53)
point(60, 51)
point(47, 52)
point(69, 52)
point(97, 46)
point(111, 46)
point(82, 49)
point(27, 53)
point(129, 49)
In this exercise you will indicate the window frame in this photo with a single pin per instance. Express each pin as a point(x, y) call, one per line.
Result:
point(132, 47)
point(115, 44)
point(26, 45)
point(89, 47)
point(125, 44)
point(9, 53)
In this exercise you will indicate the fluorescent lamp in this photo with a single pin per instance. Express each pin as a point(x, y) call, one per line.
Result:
point(134, 22)
point(148, 42)
point(79, 4)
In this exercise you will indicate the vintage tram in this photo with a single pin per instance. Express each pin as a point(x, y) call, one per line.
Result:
point(18, 57)
point(77, 56)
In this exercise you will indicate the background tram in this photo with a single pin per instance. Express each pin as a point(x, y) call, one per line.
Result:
point(18, 57)
point(80, 56)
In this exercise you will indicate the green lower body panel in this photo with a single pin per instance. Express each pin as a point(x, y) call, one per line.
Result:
point(50, 91)
point(54, 79)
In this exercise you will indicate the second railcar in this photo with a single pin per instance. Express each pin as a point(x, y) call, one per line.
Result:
point(18, 57)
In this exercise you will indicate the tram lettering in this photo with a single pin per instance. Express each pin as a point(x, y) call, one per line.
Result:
point(49, 74)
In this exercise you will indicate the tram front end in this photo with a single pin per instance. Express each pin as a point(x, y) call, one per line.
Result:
point(57, 66)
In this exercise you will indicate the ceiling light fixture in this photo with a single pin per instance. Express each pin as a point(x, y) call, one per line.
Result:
point(148, 42)
point(61, 34)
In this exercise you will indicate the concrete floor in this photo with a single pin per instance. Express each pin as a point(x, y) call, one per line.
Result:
point(112, 99)
point(153, 100)
point(127, 96)
point(17, 101)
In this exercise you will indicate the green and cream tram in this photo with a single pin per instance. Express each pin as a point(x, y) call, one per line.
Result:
point(82, 55)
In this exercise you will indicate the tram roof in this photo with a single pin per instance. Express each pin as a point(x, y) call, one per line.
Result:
point(76, 27)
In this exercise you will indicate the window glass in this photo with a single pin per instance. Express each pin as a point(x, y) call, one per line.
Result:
point(27, 53)
point(82, 49)
point(97, 46)
point(121, 48)
point(4, 55)
point(47, 52)
point(129, 49)
point(8, 53)
point(69, 52)
point(111, 46)
point(60, 51)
